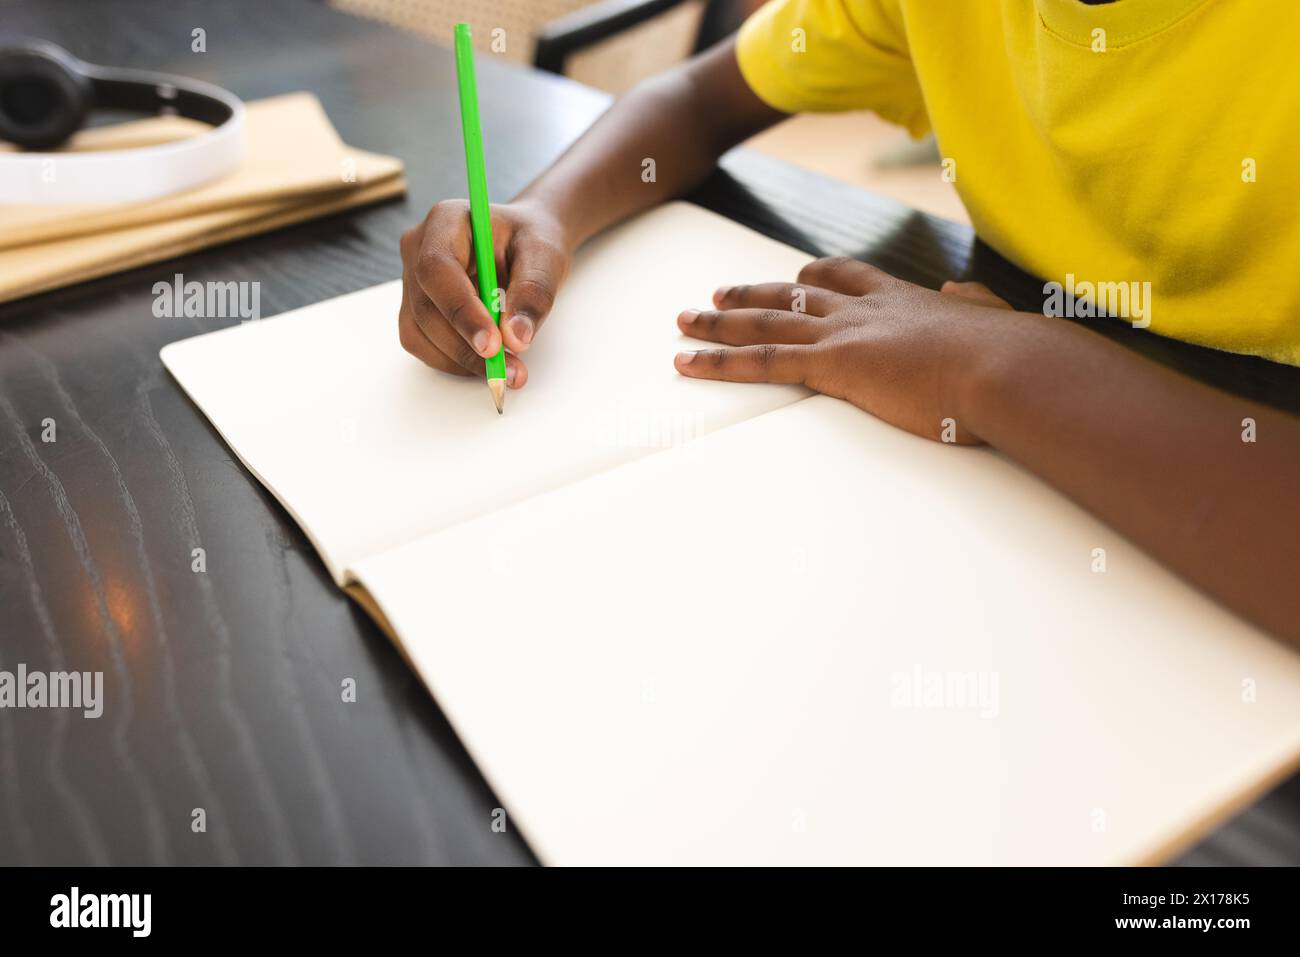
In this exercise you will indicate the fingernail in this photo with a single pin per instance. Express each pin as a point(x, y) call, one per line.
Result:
point(689, 316)
point(684, 358)
point(522, 327)
point(511, 374)
point(481, 342)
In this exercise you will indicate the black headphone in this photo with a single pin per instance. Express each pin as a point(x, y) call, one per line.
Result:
point(45, 97)
point(46, 94)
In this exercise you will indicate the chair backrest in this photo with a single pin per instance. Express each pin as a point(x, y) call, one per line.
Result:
point(519, 19)
point(633, 39)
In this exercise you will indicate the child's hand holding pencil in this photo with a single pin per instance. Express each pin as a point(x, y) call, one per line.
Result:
point(687, 119)
point(443, 322)
point(437, 267)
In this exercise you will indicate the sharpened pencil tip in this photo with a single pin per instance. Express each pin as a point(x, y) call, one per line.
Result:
point(498, 387)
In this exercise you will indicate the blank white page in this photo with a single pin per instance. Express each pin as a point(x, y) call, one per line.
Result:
point(728, 653)
point(368, 448)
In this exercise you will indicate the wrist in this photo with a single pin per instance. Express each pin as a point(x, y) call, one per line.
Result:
point(995, 351)
point(552, 217)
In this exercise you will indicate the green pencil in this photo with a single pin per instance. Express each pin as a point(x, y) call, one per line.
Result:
point(480, 218)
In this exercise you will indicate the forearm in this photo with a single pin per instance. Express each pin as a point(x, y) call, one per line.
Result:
point(1157, 455)
point(680, 122)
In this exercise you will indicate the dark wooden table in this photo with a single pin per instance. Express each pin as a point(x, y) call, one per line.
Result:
point(223, 688)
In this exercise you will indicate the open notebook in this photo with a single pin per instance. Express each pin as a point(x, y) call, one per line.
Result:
point(744, 624)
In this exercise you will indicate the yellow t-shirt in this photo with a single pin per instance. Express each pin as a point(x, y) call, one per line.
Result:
point(1140, 141)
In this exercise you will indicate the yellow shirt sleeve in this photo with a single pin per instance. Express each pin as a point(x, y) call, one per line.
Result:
point(827, 56)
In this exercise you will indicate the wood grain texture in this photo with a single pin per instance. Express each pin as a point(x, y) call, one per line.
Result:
point(223, 688)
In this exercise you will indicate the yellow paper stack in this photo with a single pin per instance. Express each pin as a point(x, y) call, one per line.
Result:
point(295, 168)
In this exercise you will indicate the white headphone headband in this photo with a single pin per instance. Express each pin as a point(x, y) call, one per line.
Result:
point(131, 175)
